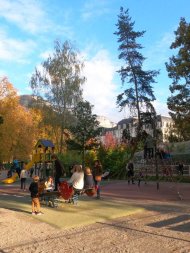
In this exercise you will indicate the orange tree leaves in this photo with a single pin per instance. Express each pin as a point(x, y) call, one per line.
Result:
point(17, 133)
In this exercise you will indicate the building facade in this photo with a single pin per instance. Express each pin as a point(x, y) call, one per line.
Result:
point(129, 125)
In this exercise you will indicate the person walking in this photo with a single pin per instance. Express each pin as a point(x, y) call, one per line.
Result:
point(97, 174)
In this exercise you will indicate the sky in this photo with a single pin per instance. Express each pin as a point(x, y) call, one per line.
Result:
point(28, 29)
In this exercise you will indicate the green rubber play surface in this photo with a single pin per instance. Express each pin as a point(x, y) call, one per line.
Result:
point(88, 210)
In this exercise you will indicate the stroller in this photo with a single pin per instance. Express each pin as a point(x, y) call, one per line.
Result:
point(70, 195)
point(65, 191)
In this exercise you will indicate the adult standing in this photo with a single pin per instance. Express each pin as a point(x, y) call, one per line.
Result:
point(130, 172)
point(58, 170)
point(180, 168)
point(97, 174)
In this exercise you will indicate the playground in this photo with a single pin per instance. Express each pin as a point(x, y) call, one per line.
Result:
point(128, 218)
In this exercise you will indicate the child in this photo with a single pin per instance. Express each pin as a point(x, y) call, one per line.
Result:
point(97, 174)
point(88, 179)
point(35, 196)
point(140, 177)
point(89, 184)
point(23, 177)
point(49, 185)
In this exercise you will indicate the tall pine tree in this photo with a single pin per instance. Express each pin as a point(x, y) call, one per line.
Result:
point(178, 69)
point(138, 93)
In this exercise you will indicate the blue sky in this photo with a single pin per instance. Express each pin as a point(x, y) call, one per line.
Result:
point(28, 29)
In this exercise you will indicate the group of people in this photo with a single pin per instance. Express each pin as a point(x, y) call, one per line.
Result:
point(87, 179)
point(81, 180)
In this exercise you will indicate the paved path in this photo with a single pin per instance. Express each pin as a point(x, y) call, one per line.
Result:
point(168, 191)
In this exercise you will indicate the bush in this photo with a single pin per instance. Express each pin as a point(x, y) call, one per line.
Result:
point(113, 160)
point(70, 158)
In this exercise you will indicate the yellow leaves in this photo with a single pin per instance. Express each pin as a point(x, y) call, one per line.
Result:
point(17, 130)
point(6, 89)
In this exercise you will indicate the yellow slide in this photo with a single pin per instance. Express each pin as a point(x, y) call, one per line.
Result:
point(12, 179)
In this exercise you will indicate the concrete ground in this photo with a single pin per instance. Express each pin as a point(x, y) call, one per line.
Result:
point(128, 218)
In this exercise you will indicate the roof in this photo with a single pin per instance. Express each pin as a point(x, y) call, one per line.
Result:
point(46, 143)
point(126, 121)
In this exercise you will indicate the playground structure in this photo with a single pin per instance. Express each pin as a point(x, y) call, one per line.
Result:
point(165, 169)
point(41, 156)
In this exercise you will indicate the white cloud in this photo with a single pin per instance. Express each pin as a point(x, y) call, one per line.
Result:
point(15, 50)
point(33, 17)
point(44, 55)
point(161, 108)
point(27, 15)
point(94, 8)
point(3, 73)
point(100, 90)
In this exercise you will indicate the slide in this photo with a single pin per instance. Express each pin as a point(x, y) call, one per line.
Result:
point(12, 179)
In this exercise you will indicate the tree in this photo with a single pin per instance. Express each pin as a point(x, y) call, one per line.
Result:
point(178, 69)
point(110, 142)
point(86, 126)
point(138, 96)
point(18, 128)
point(1, 119)
point(60, 82)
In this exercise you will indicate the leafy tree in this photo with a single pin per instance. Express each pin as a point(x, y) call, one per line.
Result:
point(178, 69)
point(49, 125)
point(86, 126)
point(1, 119)
point(18, 129)
point(138, 96)
point(110, 142)
point(60, 82)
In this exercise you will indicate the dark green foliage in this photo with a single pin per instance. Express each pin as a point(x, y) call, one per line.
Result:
point(178, 69)
point(68, 159)
point(85, 128)
point(138, 92)
point(114, 160)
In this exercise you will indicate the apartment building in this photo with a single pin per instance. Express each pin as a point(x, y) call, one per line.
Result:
point(129, 124)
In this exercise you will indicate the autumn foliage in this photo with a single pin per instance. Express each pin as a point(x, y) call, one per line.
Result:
point(18, 131)
point(110, 142)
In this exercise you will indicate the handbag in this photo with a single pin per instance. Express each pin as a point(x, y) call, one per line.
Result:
point(98, 178)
